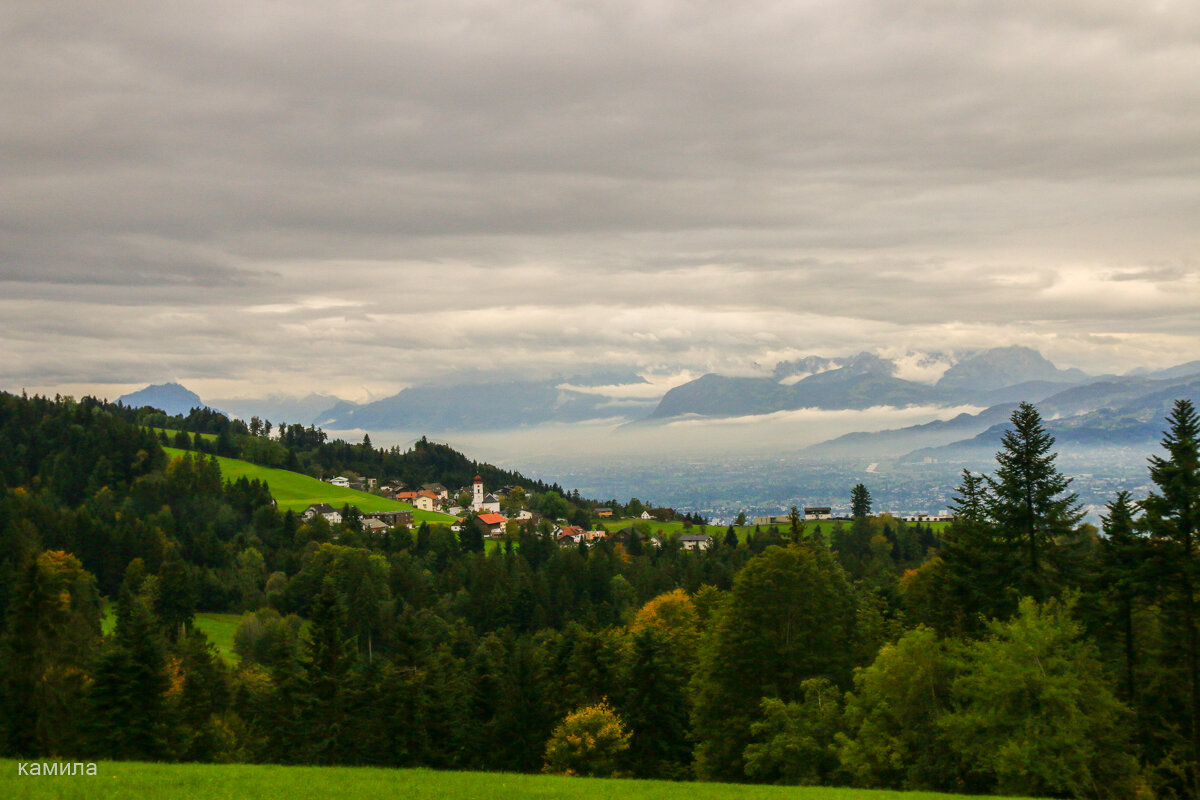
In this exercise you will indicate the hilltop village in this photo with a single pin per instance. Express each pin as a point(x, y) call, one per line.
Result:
point(500, 513)
point(495, 515)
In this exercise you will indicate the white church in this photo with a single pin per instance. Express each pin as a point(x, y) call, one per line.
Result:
point(482, 503)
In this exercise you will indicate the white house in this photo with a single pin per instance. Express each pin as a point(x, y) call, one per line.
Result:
point(325, 510)
point(341, 481)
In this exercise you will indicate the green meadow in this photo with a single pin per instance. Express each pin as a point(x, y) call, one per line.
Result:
point(297, 492)
point(210, 781)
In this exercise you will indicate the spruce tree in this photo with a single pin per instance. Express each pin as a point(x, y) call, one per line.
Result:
point(52, 631)
point(1030, 504)
point(325, 706)
point(127, 714)
point(860, 502)
point(1172, 517)
point(655, 706)
point(1122, 578)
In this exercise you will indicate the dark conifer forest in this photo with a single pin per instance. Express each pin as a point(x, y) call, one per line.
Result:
point(1019, 651)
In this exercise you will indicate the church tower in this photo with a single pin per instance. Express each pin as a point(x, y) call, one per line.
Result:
point(477, 494)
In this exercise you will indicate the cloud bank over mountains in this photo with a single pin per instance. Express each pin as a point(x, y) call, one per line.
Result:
point(352, 200)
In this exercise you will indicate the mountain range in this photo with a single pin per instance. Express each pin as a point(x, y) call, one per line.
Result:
point(1078, 406)
point(1003, 374)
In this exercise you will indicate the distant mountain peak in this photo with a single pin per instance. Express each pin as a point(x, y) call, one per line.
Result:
point(173, 398)
point(1005, 366)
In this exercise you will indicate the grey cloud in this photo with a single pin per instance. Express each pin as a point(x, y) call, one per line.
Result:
point(647, 183)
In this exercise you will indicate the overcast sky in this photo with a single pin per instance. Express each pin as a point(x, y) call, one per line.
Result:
point(350, 197)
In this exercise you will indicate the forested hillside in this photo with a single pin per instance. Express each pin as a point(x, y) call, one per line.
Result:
point(1020, 652)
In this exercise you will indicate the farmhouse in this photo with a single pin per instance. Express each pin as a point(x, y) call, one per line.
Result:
point(818, 512)
point(331, 514)
point(570, 535)
point(341, 481)
point(493, 525)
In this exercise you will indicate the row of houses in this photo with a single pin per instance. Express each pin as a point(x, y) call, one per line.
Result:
point(573, 536)
point(825, 512)
point(371, 520)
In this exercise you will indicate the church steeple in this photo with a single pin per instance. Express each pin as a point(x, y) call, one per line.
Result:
point(477, 494)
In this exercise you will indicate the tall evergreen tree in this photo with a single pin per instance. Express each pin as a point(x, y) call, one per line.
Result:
point(127, 713)
point(971, 501)
point(860, 502)
point(53, 629)
point(1030, 504)
point(1172, 517)
point(176, 596)
point(1122, 578)
point(654, 705)
point(326, 707)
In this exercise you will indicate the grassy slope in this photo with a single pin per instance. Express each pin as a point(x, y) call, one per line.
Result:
point(297, 492)
point(207, 781)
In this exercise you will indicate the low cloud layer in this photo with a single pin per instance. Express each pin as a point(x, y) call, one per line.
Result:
point(354, 198)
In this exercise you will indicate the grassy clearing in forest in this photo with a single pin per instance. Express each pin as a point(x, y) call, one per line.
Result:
point(211, 781)
point(219, 628)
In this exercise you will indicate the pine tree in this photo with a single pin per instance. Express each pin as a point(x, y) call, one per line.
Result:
point(1172, 517)
point(53, 629)
point(655, 707)
point(1121, 576)
point(127, 713)
point(971, 502)
point(975, 569)
point(325, 706)
point(176, 597)
point(860, 502)
point(1029, 503)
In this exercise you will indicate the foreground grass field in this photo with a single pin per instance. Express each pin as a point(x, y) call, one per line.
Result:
point(297, 492)
point(208, 782)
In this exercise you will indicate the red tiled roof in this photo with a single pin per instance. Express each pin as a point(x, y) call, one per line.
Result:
point(491, 519)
